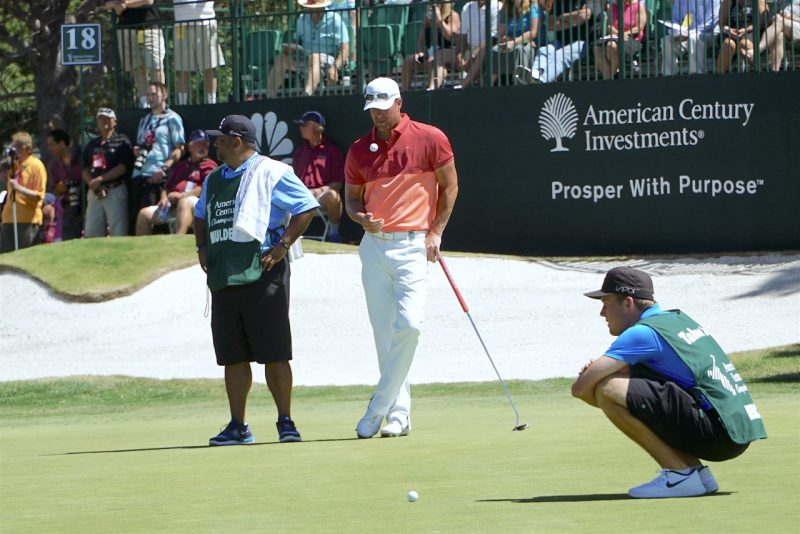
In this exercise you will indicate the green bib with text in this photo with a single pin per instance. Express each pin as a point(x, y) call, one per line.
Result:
point(229, 263)
point(715, 376)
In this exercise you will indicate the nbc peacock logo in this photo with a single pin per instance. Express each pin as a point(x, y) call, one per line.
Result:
point(558, 120)
point(271, 137)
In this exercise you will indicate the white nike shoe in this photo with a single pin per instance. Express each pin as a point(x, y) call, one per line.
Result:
point(670, 484)
point(708, 479)
point(395, 429)
point(368, 425)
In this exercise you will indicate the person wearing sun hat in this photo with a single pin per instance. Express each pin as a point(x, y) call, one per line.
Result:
point(400, 186)
point(668, 386)
point(320, 47)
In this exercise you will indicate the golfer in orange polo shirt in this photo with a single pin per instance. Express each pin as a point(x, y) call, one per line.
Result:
point(400, 186)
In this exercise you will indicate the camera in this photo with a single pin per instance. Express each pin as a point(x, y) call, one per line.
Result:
point(73, 198)
point(140, 159)
point(9, 155)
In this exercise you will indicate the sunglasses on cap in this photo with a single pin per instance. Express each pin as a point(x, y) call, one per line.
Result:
point(370, 97)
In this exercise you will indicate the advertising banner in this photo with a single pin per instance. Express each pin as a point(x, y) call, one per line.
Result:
point(668, 165)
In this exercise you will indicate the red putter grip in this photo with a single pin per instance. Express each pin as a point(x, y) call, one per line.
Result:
point(453, 284)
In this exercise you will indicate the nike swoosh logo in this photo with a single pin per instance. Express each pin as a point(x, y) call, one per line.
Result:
point(669, 485)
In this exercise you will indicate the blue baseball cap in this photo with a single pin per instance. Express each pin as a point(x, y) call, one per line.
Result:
point(198, 135)
point(311, 116)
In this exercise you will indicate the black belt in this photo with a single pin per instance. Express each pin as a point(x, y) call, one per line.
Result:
point(112, 185)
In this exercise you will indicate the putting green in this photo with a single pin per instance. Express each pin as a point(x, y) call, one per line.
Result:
point(146, 469)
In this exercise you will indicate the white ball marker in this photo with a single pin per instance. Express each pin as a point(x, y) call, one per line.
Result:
point(412, 496)
point(373, 147)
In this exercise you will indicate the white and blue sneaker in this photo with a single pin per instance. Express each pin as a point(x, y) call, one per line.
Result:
point(235, 433)
point(708, 479)
point(669, 484)
point(369, 425)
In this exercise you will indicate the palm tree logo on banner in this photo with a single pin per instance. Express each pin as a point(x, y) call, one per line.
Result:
point(271, 137)
point(558, 119)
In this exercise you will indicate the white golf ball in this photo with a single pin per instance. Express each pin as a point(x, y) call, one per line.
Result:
point(373, 147)
point(412, 496)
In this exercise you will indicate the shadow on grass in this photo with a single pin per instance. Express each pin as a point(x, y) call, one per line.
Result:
point(785, 378)
point(579, 498)
point(785, 352)
point(190, 447)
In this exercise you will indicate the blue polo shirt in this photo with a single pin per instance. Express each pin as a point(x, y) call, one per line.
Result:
point(290, 197)
point(517, 26)
point(326, 37)
point(642, 344)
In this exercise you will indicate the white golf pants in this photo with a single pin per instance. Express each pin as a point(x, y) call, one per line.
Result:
point(394, 272)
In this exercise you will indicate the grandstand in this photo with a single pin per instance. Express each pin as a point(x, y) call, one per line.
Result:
point(543, 168)
point(380, 36)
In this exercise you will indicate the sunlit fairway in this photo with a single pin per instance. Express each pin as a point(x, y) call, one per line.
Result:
point(115, 454)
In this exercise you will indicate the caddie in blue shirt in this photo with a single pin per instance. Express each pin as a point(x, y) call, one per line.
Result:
point(668, 386)
point(252, 209)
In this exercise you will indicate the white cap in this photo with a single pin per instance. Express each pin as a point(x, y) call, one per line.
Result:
point(106, 112)
point(381, 93)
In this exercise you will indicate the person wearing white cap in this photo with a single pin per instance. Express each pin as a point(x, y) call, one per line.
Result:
point(400, 186)
point(107, 166)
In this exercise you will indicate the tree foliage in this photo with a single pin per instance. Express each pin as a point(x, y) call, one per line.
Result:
point(37, 93)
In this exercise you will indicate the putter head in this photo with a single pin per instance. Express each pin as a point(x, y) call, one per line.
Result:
point(520, 428)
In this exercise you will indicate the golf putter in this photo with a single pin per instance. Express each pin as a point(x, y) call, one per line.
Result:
point(517, 426)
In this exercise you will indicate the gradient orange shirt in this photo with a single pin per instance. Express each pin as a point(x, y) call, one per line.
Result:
point(32, 175)
point(399, 179)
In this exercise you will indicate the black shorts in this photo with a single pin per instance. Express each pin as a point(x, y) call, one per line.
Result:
point(250, 323)
point(674, 415)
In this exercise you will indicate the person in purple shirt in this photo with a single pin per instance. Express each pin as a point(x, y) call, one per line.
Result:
point(63, 217)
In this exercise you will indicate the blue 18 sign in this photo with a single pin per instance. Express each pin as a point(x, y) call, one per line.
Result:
point(81, 44)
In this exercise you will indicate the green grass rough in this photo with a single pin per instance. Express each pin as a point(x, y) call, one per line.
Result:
point(92, 270)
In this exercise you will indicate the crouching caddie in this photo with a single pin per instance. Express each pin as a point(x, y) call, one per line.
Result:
point(668, 386)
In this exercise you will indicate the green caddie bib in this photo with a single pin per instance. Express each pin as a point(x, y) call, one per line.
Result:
point(715, 376)
point(228, 262)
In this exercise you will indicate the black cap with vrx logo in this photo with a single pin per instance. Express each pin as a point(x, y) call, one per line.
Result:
point(236, 126)
point(625, 281)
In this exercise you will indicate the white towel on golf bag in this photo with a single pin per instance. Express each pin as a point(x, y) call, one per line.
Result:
point(254, 199)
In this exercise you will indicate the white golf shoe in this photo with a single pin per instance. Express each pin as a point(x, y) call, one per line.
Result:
point(368, 425)
point(395, 429)
point(708, 479)
point(669, 484)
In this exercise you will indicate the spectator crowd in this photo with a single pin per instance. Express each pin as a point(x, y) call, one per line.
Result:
point(137, 187)
point(313, 48)
point(119, 186)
